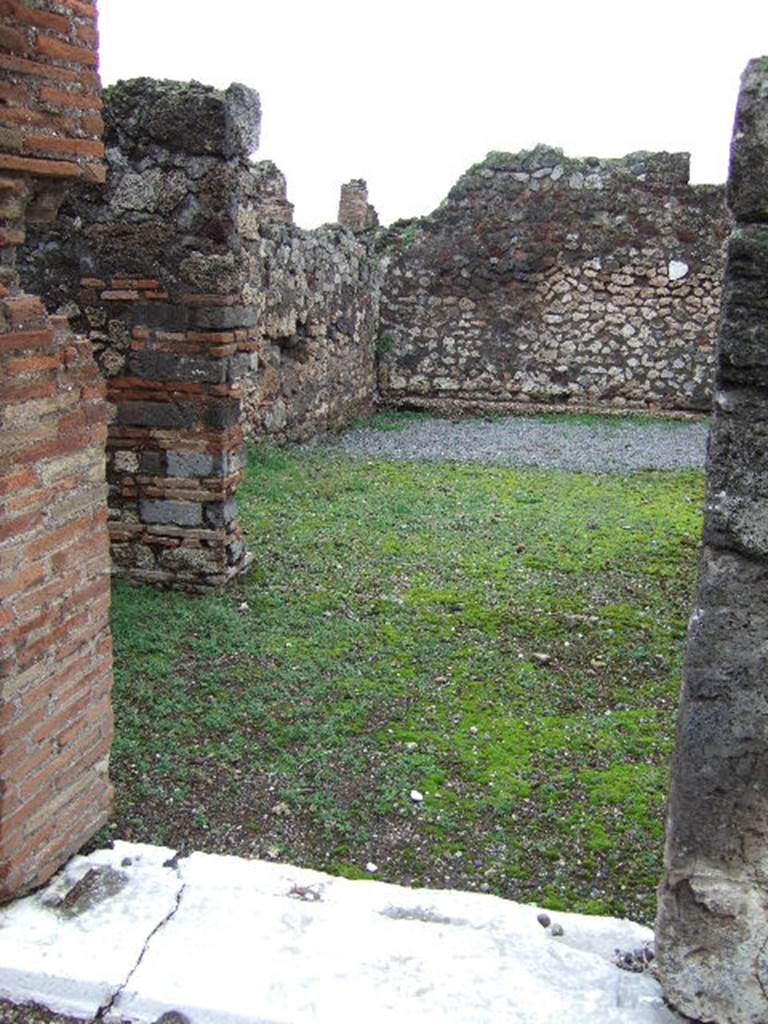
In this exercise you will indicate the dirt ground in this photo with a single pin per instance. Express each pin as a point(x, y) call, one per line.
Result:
point(29, 1013)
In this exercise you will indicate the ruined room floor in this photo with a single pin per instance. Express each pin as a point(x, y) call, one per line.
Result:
point(136, 934)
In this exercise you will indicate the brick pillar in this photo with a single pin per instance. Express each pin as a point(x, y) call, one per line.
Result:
point(55, 644)
point(175, 448)
point(170, 312)
point(712, 926)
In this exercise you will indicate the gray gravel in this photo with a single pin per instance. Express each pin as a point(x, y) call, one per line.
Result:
point(551, 442)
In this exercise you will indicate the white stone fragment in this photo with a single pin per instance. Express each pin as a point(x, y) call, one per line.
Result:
point(416, 796)
point(677, 269)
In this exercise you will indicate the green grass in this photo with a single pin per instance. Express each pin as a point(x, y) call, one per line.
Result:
point(391, 420)
point(506, 642)
point(617, 420)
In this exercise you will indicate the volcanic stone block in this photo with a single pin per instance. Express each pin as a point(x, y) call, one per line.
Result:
point(156, 414)
point(152, 463)
point(712, 931)
point(747, 179)
point(184, 117)
point(737, 483)
point(169, 366)
point(221, 514)
point(190, 464)
point(222, 318)
point(744, 322)
point(181, 513)
point(221, 415)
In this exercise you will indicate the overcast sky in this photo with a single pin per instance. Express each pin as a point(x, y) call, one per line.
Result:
point(408, 93)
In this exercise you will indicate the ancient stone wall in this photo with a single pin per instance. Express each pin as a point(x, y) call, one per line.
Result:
point(55, 645)
point(355, 212)
point(712, 928)
point(154, 263)
point(543, 279)
point(315, 294)
point(193, 223)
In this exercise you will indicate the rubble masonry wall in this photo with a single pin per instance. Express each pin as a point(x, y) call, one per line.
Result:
point(544, 280)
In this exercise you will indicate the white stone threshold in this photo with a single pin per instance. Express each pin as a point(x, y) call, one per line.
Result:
point(134, 932)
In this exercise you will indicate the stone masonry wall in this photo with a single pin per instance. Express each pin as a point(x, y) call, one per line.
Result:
point(355, 212)
point(712, 928)
point(155, 264)
point(209, 221)
point(542, 279)
point(55, 644)
point(316, 297)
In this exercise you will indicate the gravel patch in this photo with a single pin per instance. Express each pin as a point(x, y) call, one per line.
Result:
point(609, 446)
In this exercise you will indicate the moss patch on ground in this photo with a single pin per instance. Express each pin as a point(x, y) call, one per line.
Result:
point(507, 643)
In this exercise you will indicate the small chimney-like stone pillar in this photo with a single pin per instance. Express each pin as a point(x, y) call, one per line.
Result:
point(712, 925)
point(355, 212)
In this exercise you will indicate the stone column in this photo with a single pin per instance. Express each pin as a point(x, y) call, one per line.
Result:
point(712, 926)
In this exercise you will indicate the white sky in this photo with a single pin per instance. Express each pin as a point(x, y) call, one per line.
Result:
point(408, 93)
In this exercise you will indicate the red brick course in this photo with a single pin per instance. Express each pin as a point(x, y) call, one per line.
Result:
point(49, 99)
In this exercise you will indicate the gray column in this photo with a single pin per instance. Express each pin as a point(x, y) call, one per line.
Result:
point(712, 925)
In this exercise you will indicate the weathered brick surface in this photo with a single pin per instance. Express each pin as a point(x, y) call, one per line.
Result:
point(55, 646)
point(49, 96)
point(55, 654)
point(355, 212)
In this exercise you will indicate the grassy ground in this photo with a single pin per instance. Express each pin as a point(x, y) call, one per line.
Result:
point(506, 643)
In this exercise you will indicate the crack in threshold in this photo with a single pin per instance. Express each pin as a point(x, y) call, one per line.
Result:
point(106, 1007)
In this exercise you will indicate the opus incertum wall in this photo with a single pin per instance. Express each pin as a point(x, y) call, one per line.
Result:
point(55, 645)
point(547, 280)
point(712, 926)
